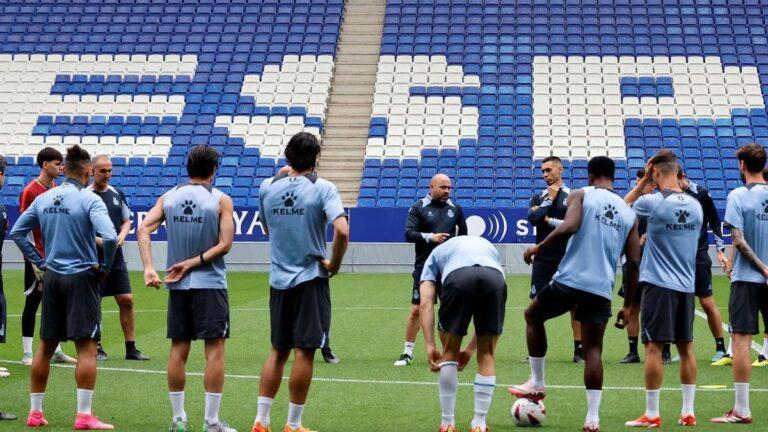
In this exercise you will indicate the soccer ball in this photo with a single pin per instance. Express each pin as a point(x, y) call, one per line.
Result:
point(527, 412)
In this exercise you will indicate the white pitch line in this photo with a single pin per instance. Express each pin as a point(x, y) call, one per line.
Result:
point(755, 346)
point(389, 382)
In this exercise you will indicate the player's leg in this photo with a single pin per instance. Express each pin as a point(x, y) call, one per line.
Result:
point(688, 372)
point(32, 299)
point(592, 337)
point(633, 334)
point(214, 384)
point(38, 379)
point(127, 322)
point(714, 319)
point(551, 301)
point(270, 378)
point(485, 380)
point(298, 385)
point(177, 380)
point(3, 322)
point(762, 358)
point(578, 349)
point(448, 381)
point(411, 325)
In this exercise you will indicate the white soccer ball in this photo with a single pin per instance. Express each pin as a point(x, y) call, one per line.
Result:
point(527, 412)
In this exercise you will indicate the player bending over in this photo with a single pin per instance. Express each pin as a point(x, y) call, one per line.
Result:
point(472, 289)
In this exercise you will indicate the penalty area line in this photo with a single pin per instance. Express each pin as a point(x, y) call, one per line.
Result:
point(388, 382)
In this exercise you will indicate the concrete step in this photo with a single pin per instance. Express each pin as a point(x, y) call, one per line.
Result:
point(361, 69)
point(347, 99)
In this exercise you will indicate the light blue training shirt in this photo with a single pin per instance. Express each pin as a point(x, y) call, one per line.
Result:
point(460, 252)
point(747, 210)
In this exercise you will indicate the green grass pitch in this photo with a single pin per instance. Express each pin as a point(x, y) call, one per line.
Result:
point(364, 392)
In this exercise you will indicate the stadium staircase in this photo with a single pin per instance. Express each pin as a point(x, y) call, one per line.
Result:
point(351, 97)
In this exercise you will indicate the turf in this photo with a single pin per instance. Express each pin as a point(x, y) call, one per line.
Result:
point(364, 392)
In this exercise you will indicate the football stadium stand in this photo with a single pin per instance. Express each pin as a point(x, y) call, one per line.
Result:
point(478, 89)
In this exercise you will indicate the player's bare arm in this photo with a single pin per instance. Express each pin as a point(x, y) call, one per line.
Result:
point(743, 247)
point(427, 294)
point(339, 246)
point(150, 224)
point(641, 187)
point(226, 235)
point(570, 225)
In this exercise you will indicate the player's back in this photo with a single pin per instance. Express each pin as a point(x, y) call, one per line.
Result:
point(593, 251)
point(748, 211)
point(459, 252)
point(64, 216)
point(674, 224)
point(192, 223)
point(296, 211)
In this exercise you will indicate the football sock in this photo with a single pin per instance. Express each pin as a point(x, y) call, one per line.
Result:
point(633, 345)
point(212, 404)
point(26, 342)
point(652, 403)
point(484, 386)
point(84, 401)
point(537, 371)
point(720, 344)
point(593, 405)
point(130, 346)
point(742, 398)
point(449, 383)
point(36, 401)
point(689, 393)
point(408, 348)
point(58, 349)
point(729, 351)
point(177, 404)
point(667, 350)
point(294, 415)
point(577, 347)
point(263, 407)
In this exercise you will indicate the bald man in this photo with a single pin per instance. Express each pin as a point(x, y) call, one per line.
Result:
point(431, 221)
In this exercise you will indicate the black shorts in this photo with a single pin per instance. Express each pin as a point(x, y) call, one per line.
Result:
point(300, 317)
point(415, 296)
point(703, 281)
point(541, 275)
point(3, 314)
point(71, 306)
point(666, 315)
point(117, 281)
point(198, 314)
point(638, 296)
point(555, 299)
point(746, 301)
point(478, 293)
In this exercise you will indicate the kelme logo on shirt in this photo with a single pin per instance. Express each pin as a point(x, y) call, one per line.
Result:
point(764, 215)
point(289, 206)
point(682, 219)
point(606, 218)
point(57, 209)
point(188, 208)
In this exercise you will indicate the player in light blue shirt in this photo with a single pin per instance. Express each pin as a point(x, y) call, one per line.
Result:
point(667, 276)
point(71, 217)
point(200, 228)
point(602, 227)
point(296, 209)
point(472, 288)
point(746, 215)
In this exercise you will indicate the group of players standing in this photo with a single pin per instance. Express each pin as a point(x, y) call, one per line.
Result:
point(81, 241)
point(582, 235)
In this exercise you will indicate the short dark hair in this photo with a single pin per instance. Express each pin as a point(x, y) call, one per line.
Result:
point(665, 161)
point(765, 174)
point(552, 159)
point(3, 164)
point(77, 159)
point(680, 172)
point(48, 154)
point(601, 167)
point(640, 173)
point(302, 151)
point(202, 161)
point(753, 156)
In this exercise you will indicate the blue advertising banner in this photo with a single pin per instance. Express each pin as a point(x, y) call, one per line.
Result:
point(378, 225)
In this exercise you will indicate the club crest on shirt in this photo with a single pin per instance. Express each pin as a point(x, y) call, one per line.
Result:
point(115, 201)
point(450, 213)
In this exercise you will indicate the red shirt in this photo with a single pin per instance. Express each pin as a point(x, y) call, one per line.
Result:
point(33, 190)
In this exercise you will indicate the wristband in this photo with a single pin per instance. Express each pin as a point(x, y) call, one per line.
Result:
point(202, 260)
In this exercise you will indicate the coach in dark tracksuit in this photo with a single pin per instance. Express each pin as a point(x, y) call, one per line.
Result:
point(546, 211)
point(431, 221)
point(703, 283)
